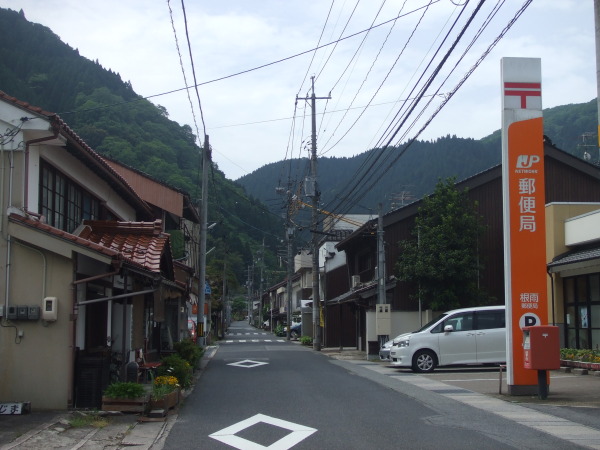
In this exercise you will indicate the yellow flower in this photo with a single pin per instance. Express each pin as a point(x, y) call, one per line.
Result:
point(167, 380)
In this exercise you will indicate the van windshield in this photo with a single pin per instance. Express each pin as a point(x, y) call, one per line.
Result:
point(431, 322)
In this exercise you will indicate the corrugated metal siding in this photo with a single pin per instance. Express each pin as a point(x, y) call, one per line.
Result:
point(150, 191)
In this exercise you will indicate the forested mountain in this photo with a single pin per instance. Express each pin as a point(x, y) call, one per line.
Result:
point(414, 174)
point(37, 67)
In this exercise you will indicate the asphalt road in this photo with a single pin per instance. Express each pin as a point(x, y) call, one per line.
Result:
point(259, 391)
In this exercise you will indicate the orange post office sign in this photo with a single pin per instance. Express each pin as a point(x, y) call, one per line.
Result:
point(524, 212)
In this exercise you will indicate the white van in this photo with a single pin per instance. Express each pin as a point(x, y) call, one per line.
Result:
point(462, 336)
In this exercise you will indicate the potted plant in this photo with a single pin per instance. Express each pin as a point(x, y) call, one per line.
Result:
point(124, 396)
point(165, 393)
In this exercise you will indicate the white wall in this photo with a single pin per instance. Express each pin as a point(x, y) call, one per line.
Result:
point(582, 229)
point(402, 322)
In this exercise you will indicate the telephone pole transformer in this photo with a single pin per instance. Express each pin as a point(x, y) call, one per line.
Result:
point(313, 192)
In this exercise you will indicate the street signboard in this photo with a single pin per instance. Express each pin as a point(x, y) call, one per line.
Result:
point(524, 212)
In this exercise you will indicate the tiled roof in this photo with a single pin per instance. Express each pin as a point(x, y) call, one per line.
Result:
point(140, 242)
point(32, 223)
point(576, 256)
point(24, 105)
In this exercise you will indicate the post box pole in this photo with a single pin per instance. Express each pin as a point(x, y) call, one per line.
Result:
point(542, 384)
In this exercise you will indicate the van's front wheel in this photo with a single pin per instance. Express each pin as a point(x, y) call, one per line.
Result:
point(424, 361)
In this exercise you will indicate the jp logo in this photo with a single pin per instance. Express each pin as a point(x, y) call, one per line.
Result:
point(526, 161)
point(529, 320)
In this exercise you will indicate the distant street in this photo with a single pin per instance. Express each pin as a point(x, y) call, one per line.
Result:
point(260, 391)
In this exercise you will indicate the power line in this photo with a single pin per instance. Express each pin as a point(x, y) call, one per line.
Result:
point(182, 68)
point(318, 42)
point(401, 152)
point(358, 33)
point(187, 35)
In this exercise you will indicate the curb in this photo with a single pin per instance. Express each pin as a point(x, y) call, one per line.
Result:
point(157, 432)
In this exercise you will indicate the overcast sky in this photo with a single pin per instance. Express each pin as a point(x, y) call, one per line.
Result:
point(249, 117)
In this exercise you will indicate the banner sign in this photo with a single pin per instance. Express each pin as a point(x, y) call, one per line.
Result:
point(524, 213)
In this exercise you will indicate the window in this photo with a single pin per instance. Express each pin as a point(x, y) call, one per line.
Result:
point(582, 311)
point(459, 322)
point(491, 319)
point(64, 203)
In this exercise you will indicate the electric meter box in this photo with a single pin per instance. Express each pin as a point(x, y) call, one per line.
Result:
point(11, 314)
point(33, 312)
point(22, 312)
point(383, 319)
point(541, 347)
point(50, 309)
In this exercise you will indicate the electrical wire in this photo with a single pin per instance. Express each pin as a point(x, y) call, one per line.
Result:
point(449, 96)
point(339, 40)
point(182, 68)
point(477, 35)
point(356, 52)
point(187, 35)
point(214, 80)
point(365, 79)
point(368, 166)
point(317, 47)
point(383, 154)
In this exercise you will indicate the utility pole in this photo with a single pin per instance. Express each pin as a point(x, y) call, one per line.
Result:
point(597, 34)
point(249, 286)
point(260, 285)
point(290, 267)
point(223, 301)
point(381, 300)
point(202, 253)
point(313, 192)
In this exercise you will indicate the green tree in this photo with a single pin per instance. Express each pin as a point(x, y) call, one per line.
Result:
point(442, 261)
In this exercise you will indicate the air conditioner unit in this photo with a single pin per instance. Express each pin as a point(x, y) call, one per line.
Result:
point(355, 280)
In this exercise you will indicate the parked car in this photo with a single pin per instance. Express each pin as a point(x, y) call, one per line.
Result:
point(384, 351)
point(192, 330)
point(458, 337)
point(295, 330)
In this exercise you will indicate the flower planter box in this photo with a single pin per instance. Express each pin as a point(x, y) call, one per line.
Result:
point(124, 404)
point(580, 364)
point(171, 400)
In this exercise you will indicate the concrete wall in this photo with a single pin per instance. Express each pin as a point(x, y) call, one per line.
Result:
point(40, 368)
point(402, 322)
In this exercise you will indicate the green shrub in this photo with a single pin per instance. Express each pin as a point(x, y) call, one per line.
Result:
point(177, 367)
point(124, 389)
point(306, 340)
point(189, 351)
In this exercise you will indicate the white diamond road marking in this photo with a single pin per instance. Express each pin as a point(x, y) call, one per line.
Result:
point(247, 364)
point(298, 434)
